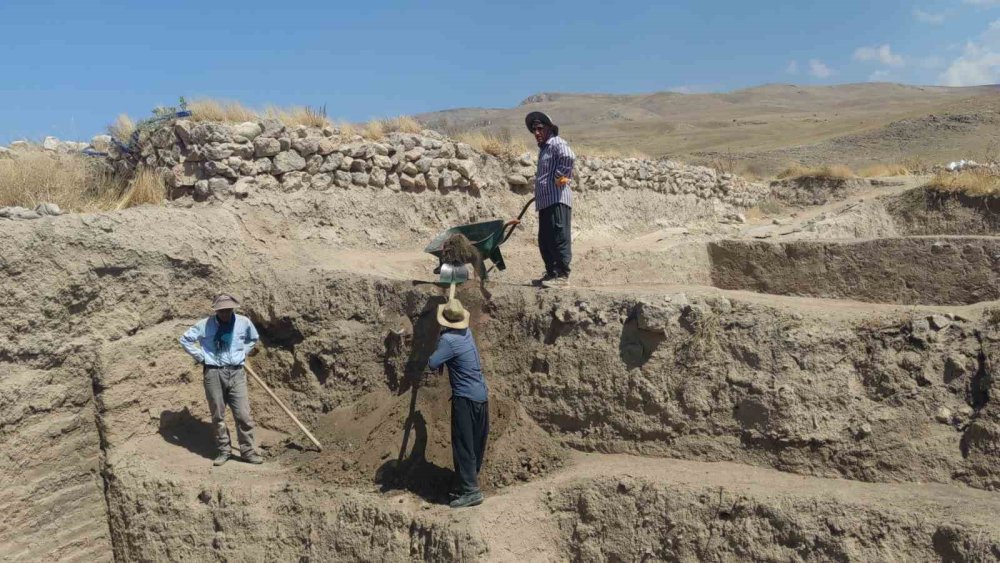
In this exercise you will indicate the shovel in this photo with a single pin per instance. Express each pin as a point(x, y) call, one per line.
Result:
point(454, 274)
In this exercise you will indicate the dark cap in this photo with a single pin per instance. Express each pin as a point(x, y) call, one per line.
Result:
point(538, 117)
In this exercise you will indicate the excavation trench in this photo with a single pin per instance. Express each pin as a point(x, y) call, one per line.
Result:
point(629, 423)
point(704, 376)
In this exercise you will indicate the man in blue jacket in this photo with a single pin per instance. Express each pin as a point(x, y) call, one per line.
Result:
point(221, 344)
point(470, 413)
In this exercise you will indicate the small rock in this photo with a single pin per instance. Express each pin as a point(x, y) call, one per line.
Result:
point(50, 209)
point(939, 322)
point(943, 415)
point(50, 143)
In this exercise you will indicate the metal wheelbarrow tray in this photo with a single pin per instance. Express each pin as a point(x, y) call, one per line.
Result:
point(486, 237)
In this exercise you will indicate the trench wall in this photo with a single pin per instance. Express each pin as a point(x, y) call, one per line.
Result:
point(925, 270)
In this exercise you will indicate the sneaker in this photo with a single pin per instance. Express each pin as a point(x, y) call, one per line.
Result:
point(253, 458)
point(220, 459)
point(546, 277)
point(559, 281)
point(468, 499)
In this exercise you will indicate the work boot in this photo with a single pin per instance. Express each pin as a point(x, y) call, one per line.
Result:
point(220, 459)
point(253, 458)
point(468, 499)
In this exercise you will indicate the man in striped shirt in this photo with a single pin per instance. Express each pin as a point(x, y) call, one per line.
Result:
point(553, 199)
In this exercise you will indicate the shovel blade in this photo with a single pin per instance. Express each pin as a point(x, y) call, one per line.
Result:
point(451, 273)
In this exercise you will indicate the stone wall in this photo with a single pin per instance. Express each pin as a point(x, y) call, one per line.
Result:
point(231, 160)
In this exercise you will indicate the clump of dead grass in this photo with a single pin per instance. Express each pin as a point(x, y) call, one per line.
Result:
point(374, 130)
point(146, 188)
point(404, 124)
point(881, 170)
point(74, 183)
point(501, 145)
point(299, 115)
point(122, 128)
point(976, 183)
point(228, 111)
point(828, 172)
point(768, 207)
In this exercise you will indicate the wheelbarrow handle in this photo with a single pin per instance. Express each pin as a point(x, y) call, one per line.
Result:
point(511, 225)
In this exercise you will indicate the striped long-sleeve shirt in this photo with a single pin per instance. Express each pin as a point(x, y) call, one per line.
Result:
point(555, 160)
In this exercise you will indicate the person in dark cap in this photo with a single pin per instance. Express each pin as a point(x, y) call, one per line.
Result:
point(553, 199)
point(221, 344)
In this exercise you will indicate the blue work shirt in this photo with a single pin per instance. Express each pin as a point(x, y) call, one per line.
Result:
point(199, 341)
point(457, 350)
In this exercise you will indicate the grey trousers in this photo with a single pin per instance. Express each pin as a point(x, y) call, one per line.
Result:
point(228, 386)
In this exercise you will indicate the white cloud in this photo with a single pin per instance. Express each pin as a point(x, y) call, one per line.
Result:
point(793, 67)
point(927, 17)
point(978, 65)
point(818, 69)
point(882, 54)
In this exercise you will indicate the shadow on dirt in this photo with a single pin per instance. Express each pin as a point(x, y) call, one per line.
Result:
point(410, 470)
point(182, 428)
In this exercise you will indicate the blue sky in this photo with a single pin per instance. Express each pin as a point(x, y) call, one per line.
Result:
point(70, 67)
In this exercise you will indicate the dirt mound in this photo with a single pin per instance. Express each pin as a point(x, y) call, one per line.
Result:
point(924, 211)
point(404, 442)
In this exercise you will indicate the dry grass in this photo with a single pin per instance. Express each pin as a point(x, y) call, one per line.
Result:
point(220, 110)
point(147, 187)
point(373, 130)
point(74, 183)
point(122, 128)
point(828, 172)
point(404, 124)
point(500, 145)
point(880, 170)
point(608, 152)
point(299, 115)
point(766, 208)
point(976, 183)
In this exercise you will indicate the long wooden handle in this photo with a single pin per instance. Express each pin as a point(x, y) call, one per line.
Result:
point(282, 405)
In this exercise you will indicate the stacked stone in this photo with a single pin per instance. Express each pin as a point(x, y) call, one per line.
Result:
point(221, 159)
point(663, 176)
point(218, 159)
point(99, 143)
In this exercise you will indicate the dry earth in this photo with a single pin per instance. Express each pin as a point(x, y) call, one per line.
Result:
point(768, 127)
point(811, 386)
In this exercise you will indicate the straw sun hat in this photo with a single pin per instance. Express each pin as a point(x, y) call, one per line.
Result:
point(453, 315)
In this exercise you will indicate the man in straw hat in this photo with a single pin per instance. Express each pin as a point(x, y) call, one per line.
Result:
point(553, 199)
point(470, 417)
point(221, 343)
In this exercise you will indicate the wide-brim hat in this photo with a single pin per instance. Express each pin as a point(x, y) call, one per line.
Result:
point(454, 309)
point(224, 301)
point(540, 117)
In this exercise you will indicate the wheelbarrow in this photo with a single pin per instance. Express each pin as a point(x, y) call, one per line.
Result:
point(486, 237)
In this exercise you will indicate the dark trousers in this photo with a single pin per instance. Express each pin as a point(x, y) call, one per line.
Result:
point(554, 239)
point(470, 426)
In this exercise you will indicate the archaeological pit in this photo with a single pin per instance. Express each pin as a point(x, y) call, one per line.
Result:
point(813, 388)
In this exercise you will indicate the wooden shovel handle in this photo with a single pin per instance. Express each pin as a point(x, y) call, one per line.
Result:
point(283, 407)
